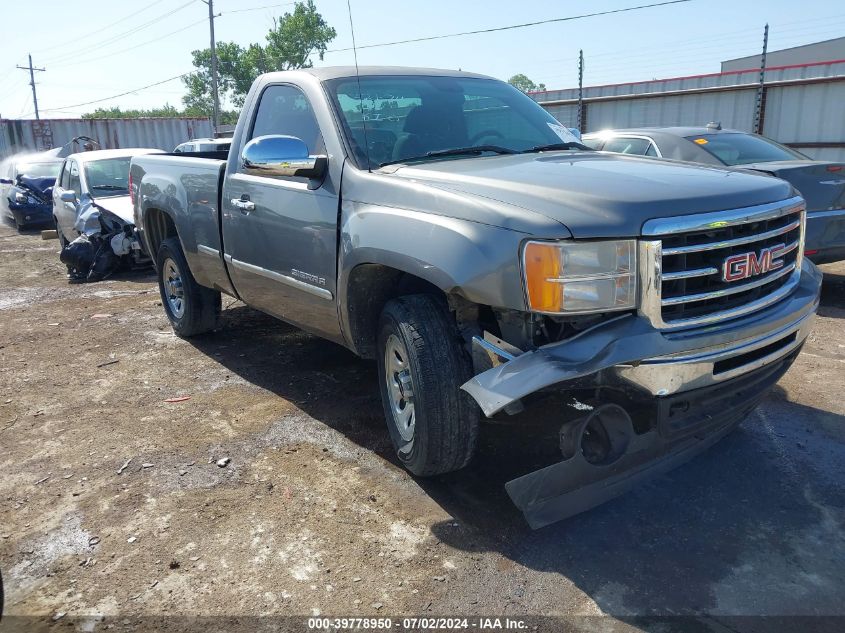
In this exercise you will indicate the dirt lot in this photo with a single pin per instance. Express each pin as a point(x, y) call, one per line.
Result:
point(112, 503)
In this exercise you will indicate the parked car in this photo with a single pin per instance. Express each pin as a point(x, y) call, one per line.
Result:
point(483, 256)
point(91, 206)
point(26, 183)
point(204, 145)
point(821, 183)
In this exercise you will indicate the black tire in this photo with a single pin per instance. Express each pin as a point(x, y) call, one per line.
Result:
point(445, 418)
point(198, 308)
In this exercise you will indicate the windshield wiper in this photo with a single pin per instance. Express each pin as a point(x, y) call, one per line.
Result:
point(110, 187)
point(455, 151)
point(473, 149)
point(554, 146)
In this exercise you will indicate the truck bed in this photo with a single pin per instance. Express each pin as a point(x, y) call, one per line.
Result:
point(187, 188)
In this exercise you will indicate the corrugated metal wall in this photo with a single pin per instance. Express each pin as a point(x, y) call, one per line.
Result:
point(803, 106)
point(30, 135)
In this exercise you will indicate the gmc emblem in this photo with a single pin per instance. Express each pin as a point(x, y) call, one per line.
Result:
point(747, 265)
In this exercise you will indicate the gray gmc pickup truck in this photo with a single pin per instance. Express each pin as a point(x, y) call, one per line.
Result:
point(445, 225)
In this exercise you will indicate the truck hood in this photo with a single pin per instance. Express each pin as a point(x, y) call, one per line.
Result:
point(821, 183)
point(121, 206)
point(593, 194)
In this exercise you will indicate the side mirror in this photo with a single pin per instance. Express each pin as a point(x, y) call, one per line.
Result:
point(6, 181)
point(66, 195)
point(277, 155)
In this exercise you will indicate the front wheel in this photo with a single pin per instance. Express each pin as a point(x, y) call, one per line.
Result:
point(191, 308)
point(422, 365)
point(62, 239)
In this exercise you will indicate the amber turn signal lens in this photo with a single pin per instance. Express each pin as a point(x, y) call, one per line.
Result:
point(542, 263)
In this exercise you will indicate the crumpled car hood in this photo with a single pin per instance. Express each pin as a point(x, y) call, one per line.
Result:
point(121, 206)
point(596, 194)
point(38, 185)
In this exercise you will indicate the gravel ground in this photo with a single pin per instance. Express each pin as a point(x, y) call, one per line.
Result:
point(112, 502)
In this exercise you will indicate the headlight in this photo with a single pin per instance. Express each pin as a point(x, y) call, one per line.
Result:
point(567, 277)
point(20, 198)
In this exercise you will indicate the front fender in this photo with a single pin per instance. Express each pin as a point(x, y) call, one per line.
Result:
point(476, 261)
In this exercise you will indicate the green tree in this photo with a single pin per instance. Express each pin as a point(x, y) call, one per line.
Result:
point(116, 113)
point(291, 43)
point(522, 82)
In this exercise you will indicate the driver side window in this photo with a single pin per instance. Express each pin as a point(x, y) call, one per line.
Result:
point(65, 181)
point(74, 183)
point(285, 110)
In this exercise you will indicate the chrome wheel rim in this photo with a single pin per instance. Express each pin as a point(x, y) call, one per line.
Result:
point(400, 387)
point(173, 289)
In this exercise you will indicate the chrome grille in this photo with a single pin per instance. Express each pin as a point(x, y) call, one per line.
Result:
point(685, 260)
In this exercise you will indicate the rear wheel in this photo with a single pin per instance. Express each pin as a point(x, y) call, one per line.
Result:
point(191, 308)
point(422, 365)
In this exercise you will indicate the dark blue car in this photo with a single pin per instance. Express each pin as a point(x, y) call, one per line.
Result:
point(26, 187)
point(821, 183)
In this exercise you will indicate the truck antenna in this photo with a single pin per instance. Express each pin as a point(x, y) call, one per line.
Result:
point(358, 79)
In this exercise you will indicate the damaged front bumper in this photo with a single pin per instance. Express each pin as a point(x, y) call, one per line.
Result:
point(701, 383)
point(26, 214)
point(106, 242)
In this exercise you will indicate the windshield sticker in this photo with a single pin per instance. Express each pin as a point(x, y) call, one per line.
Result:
point(701, 141)
point(563, 133)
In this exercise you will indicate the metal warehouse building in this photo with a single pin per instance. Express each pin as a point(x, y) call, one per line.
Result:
point(802, 104)
point(807, 54)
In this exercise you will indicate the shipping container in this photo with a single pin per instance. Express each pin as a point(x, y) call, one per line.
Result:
point(27, 135)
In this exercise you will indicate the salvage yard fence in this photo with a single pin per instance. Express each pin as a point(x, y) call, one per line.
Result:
point(803, 105)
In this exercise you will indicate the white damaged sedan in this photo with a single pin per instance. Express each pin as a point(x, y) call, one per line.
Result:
point(93, 213)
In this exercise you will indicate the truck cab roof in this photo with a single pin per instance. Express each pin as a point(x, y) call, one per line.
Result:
point(337, 72)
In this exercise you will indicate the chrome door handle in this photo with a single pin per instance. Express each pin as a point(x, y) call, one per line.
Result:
point(244, 205)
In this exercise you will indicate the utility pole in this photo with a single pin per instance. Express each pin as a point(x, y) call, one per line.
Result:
point(760, 108)
point(215, 117)
point(32, 83)
point(581, 116)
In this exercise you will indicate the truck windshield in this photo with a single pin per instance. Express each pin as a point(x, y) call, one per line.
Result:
point(744, 149)
point(108, 177)
point(421, 118)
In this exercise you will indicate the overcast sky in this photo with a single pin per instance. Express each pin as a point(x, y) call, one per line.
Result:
point(93, 49)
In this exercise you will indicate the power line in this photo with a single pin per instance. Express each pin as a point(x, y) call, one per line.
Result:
point(273, 58)
point(161, 37)
point(115, 38)
point(98, 31)
point(12, 88)
point(32, 83)
point(131, 48)
point(267, 6)
point(215, 96)
point(512, 26)
point(122, 94)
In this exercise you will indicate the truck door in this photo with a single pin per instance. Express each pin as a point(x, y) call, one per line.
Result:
point(280, 236)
